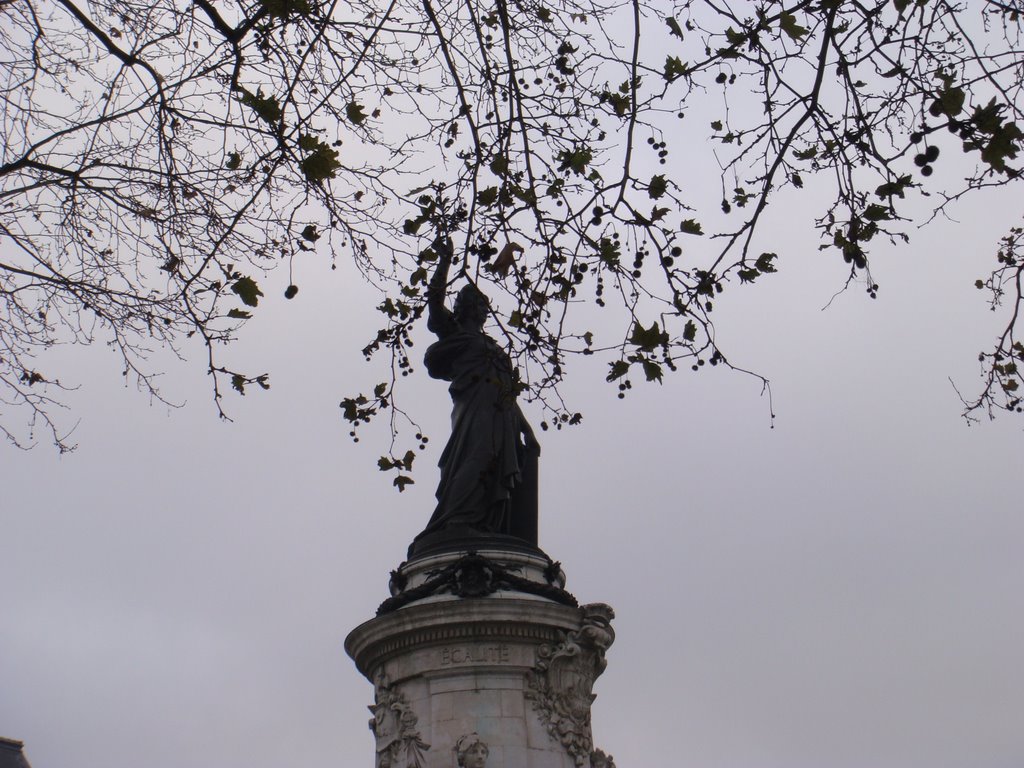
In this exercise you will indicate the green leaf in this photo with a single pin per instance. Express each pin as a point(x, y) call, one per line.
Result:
point(674, 68)
point(516, 319)
point(674, 28)
point(386, 463)
point(355, 114)
point(788, 24)
point(902, 5)
point(322, 161)
point(282, 9)
point(499, 166)
point(1004, 144)
point(748, 275)
point(620, 102)
point(951, 101)
point(987, 118)
point(238, 383)
point(609, 251)
point(652, 370)
point(657, 187)
point(876, 212)
point(353, 408)
point(309, 233)
point(487, 197)
point(691, 227)
point(247, 291)
point(690, 331)
point(411, 226)
point(234, 161)
point(575, 160)
point(648, 339)
point(266, 107)
point(239, 314)
point(408, 459)
point(764, 262)
point(401, 481)
point(619, 368)
point(891, 188)
point(527, 194)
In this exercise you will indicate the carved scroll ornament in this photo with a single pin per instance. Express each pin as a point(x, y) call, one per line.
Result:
point(562, 681)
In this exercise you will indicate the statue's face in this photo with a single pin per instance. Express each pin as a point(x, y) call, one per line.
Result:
point(471, 307)
point(476, 756)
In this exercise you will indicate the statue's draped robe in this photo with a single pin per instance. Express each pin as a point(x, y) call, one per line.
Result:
point(482, 464)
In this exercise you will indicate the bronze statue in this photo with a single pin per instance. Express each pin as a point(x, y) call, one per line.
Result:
point(488, 467)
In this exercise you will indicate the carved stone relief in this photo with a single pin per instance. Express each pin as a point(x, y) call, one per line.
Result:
point(598, 759)
point(471, 751)
point(560, 686)
point(399, 744)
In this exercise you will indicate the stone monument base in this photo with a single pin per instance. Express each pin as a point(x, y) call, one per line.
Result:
point(483, 656)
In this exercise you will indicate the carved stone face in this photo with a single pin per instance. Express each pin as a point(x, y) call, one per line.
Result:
point(475, 756)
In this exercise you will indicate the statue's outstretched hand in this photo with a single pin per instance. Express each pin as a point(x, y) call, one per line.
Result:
point(444, 247)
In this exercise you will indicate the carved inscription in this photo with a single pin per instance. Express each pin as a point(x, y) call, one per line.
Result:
point(475, 654)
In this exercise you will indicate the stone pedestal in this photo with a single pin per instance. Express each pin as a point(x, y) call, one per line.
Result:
point(483, 653)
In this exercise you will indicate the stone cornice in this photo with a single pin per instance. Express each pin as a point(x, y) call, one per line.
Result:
point(434, 624)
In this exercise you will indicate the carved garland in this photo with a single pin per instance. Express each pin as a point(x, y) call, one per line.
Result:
point(474, 575)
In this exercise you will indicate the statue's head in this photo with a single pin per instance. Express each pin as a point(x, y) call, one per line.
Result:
point(471, 306)
point(471, 752)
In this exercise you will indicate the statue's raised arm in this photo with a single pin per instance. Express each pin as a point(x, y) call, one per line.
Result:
point(439, 318)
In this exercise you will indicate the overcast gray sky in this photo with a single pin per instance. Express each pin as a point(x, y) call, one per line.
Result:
point(842, 590)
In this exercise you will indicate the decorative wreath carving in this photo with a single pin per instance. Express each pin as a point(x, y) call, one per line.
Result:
point(474, 575)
